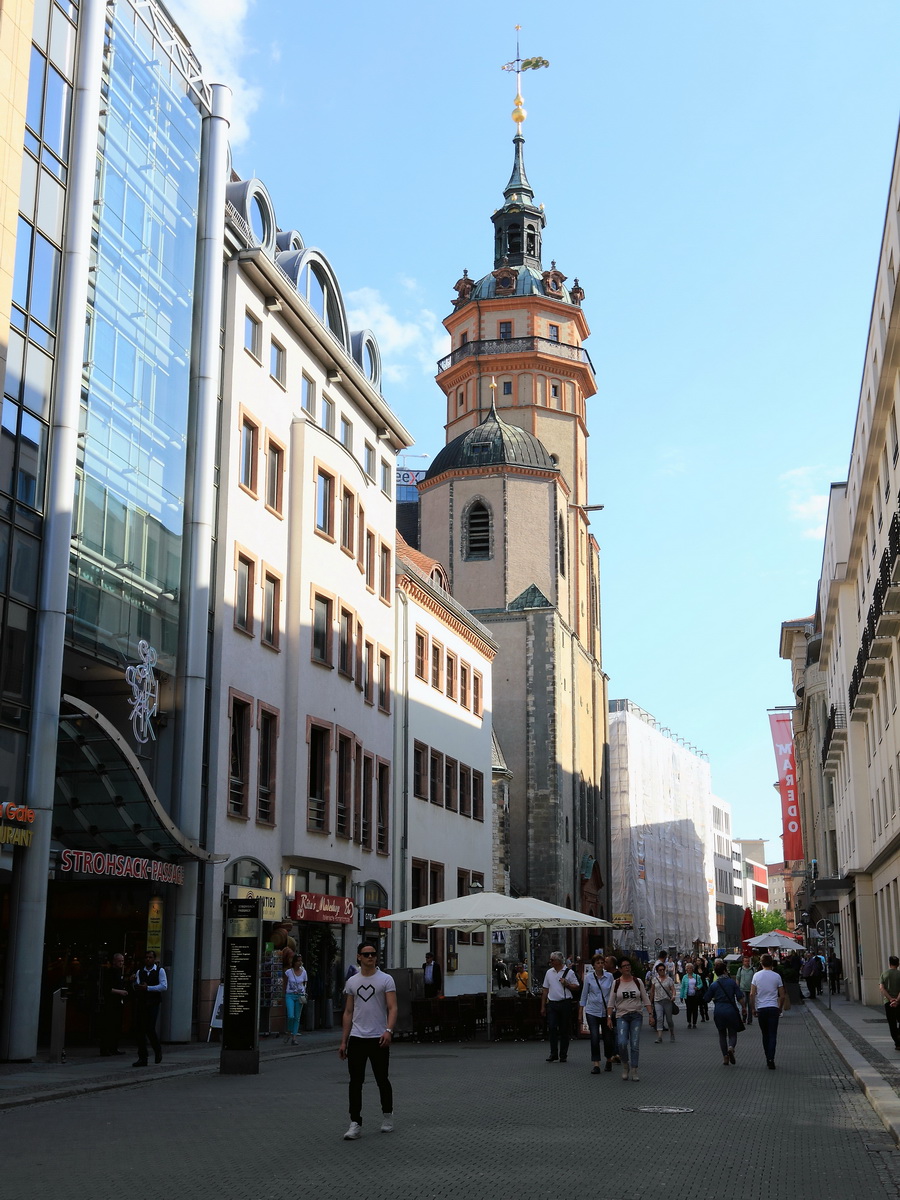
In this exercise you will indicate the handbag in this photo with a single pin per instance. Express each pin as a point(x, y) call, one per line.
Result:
point(675, 1009)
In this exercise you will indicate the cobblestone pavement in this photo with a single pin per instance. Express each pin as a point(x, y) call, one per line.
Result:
point(477, 1121)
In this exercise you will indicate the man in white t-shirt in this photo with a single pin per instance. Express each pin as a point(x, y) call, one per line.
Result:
point(767, 1001)
point(370, 1013)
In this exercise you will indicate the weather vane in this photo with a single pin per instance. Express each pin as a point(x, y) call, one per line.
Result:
point(519, 65)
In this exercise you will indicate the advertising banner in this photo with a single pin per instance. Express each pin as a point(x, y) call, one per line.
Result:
point(315, 906)
point(783, 739)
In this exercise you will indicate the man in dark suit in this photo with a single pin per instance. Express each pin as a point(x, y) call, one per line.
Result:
point(433, 977)
point(150, 986)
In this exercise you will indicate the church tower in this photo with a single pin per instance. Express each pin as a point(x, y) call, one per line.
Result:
point(505, 506)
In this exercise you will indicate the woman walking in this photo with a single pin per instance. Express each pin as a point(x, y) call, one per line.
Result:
point(594, 1007)
point(690, 993)
point(705, 978)
point(726, 995)
point(627, 998)
point(662, 997)
point(295, 980)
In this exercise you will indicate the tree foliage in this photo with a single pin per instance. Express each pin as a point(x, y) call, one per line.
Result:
point(765, 922)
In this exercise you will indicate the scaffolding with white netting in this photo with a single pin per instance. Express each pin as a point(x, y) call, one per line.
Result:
point(660, 816)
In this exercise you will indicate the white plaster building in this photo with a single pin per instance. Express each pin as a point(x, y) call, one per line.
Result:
point(754, 874)
point(301, 725)
point(443, 827)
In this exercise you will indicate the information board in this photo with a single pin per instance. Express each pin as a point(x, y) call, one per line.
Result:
point(240, 1015)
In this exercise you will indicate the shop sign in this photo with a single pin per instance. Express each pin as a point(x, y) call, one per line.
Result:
point(623, 920)
point(121, 866)
point(16, 834)
point(270, 903)
point(313, 906)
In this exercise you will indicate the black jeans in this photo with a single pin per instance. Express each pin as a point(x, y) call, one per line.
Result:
point(600, 1034)
point(359, 1052)
point(692, 1005)
point(559, 1026)
point(146, 1013)
point(767, 1020)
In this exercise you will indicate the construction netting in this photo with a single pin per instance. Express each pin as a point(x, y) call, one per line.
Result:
point(660, 814)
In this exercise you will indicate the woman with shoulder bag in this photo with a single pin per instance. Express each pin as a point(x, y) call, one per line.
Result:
point(627, 998)
point(726, 995)
point(662, 996)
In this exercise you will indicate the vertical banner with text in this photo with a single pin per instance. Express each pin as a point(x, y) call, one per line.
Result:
point(240, 1015)
point(783, 739)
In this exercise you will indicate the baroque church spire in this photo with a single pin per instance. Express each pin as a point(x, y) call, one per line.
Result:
point(518, 224)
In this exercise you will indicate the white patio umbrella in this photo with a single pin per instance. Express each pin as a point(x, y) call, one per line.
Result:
point(773, 941)
point(488, 911)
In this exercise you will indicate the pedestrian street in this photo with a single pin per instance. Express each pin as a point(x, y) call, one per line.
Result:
point(475, 1121)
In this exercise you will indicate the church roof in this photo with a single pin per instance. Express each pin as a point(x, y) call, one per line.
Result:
point(532, 597)
point(493, 443)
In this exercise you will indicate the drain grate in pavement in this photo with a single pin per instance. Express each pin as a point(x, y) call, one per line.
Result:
point(652, 1108)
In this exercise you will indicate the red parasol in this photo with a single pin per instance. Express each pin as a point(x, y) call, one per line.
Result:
point(747, 930)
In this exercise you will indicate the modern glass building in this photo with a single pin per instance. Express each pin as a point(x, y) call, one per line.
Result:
point(106, 496)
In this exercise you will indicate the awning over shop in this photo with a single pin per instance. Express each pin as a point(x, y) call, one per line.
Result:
point(104, 800)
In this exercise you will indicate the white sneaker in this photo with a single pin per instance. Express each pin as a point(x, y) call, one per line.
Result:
point(354, 1132)
point(625, 1072)
point(387, 1122)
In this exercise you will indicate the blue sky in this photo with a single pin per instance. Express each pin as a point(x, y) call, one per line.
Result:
point(716, 176)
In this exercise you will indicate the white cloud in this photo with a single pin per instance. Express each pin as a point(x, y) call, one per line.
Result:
point(217, 32)
point(410, 342)
point(807, 504)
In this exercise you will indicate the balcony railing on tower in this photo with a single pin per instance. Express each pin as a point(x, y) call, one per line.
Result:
point(517, 345)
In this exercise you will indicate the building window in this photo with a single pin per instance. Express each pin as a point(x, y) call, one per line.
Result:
point(505, 331)
point(477, 795)
point(274, 477)
point(328, 415)
point(249, 451)
point(386, 477)
point(347, 434)
point(465, 791)
point(348, 533)
point(385, 574)
point(420, 770)
point(318, 782)
point(369, 460)
point(451, 768)
point(462, 889)
point(554, 333)
point(308, 396)
point(245, 570)
point(343, 796)
point(419, 896)
point(562, 546)
point(271, 627)
point(240, 753)
point(507, 387)
point(276, 362)
point(436, 778)
point(554, 390)
point(477, 531)
point(321, 639)
point(370, 560)
point(325, 503)
point(436, 882)
point(464, 684)
point(252, 335)
point(368, 773)
point(345, 646)
point(477, 685)
point(384, 681)
point(451, 676)
point(464, 337)
point(384, 801)
point(265, 785)
point(421, 653)
point(369, 672)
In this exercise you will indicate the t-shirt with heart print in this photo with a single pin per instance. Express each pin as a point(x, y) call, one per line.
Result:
point(369, 1004)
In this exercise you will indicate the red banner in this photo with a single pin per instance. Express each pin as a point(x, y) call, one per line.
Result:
point(314, 906)
point(783, 738)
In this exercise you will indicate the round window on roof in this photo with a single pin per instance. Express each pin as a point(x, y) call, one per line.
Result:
point(258, 220)
point(368, 361)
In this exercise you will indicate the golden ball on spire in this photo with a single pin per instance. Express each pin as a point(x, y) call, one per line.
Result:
point(518, 113)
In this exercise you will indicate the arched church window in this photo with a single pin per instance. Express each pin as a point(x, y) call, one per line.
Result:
point(515, 238)
point(478, 531)
point(562, 546)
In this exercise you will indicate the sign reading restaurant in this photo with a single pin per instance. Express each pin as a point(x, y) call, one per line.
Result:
point(121, 866)
point(313, 906)
point(16, 834)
